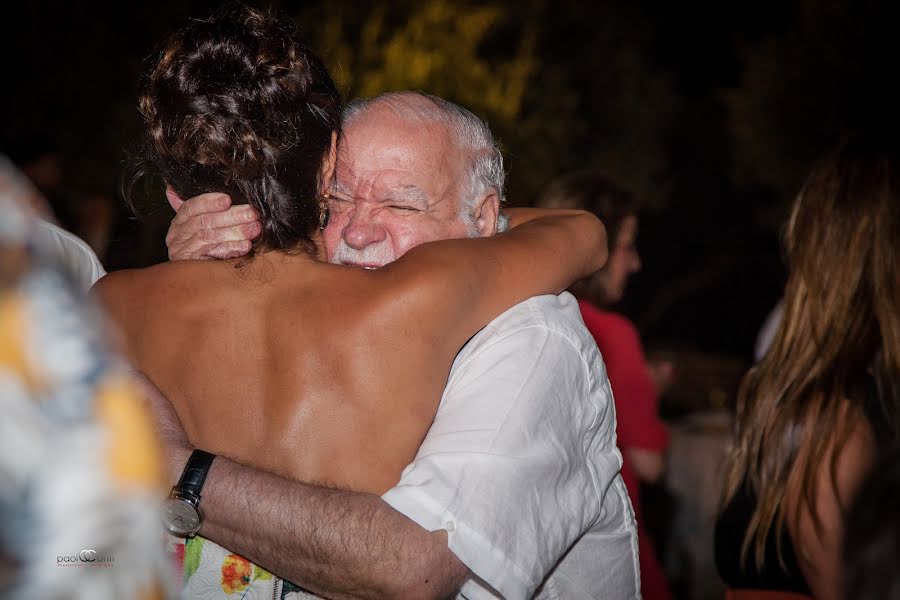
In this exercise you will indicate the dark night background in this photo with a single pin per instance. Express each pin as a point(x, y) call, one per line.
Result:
point(711, 112)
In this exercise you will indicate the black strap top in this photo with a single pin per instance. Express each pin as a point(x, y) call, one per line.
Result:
point(731, 526)
point(734, 520)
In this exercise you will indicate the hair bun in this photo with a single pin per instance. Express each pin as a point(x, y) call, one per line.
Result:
point(225, 84)
point(238, 103)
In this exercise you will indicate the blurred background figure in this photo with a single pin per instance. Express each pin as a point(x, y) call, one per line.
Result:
point(636, 384)
point(39, 160)
point(872, 542)
point(90, 208)
point(71, 225)
point(79, 465)
point(36, 170)
point(823, 403)
point(95, 219)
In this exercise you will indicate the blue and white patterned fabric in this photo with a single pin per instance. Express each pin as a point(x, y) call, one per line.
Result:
point(80, 470)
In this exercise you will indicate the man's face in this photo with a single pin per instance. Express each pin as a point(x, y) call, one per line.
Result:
point(397, 185)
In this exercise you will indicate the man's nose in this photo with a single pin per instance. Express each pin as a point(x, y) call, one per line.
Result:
point(363, 230)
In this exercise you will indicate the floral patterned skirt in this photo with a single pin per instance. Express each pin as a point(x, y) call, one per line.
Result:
point(211, 572)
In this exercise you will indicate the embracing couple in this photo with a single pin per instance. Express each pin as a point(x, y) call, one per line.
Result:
point(350, 409)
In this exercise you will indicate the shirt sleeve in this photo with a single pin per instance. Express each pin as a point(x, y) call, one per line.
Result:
point(72, 253)
point(505, 467)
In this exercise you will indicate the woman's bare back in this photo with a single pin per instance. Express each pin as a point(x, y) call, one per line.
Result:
point(286, 364)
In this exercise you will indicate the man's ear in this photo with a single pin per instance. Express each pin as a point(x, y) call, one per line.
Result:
point(175, 201)
point(328, 165)
point(485, 214)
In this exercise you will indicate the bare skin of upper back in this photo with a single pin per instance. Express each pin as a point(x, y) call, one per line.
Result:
point(327, 373)
point(293, 366)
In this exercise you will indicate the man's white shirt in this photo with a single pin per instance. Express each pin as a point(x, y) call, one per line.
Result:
point(521, 466)
point(71, 253)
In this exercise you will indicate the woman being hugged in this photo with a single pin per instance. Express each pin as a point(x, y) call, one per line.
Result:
point(316, 371)
point(815, 413)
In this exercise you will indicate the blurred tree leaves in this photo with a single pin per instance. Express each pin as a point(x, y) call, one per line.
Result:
point(563, 85)
point(435, 49)
point(711, 115)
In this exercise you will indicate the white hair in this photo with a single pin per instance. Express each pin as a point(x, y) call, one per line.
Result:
point(485, 169)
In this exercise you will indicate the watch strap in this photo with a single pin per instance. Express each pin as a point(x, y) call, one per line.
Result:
point(194, 474)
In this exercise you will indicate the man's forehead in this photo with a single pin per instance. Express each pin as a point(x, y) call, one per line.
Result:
point(379, 185)
point(396, 135)
point(376, 159)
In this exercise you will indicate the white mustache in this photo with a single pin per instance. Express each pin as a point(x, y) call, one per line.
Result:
point(374, 254)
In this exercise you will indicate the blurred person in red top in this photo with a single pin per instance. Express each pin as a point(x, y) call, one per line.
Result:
point(636, 384)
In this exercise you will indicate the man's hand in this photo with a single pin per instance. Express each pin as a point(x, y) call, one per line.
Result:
point(169, 430)
point(207, 227)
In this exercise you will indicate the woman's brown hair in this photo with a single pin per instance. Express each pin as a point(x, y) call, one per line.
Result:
point(594, 192)
point(238, 103)
point(840, 326)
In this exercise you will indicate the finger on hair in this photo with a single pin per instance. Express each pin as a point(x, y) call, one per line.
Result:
point(202, 252)
point(194, 249)
point(181, 231)
point(204, 203)
point(241, 221)
point(236, 215)
point(230, 250)
point(238, 233)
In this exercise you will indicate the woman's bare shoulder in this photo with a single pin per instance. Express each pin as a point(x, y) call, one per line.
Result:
point(129, 292)
point(111, 289)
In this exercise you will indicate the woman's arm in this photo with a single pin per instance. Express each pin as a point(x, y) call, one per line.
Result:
point(641, 434)
point(819, 553)
point(469, 282)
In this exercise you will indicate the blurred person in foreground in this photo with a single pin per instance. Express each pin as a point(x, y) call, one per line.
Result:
point(80, 470)
point(641, 434)
point(822, 404)
point(71, 253)
point(332, 374)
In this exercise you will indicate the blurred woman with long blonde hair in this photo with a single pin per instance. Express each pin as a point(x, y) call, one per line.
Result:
point(815, 413)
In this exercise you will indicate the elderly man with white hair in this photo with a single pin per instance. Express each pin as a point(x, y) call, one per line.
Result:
point(515, 491)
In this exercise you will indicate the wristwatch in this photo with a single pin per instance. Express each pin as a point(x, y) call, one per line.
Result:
point(181, 510)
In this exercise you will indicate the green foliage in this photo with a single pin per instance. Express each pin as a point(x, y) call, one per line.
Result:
point(433, 47)
point(563, 87)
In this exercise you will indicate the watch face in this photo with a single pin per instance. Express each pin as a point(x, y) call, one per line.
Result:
point(180, 518)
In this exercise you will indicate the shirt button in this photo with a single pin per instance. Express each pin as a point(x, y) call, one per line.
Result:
point(449, 525)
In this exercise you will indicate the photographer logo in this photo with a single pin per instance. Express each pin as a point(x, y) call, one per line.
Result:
point(85, 558)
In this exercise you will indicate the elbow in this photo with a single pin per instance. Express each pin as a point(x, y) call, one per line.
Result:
point(426, 586)
point(424, 590)
point(438, 576)
point(401, 587)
